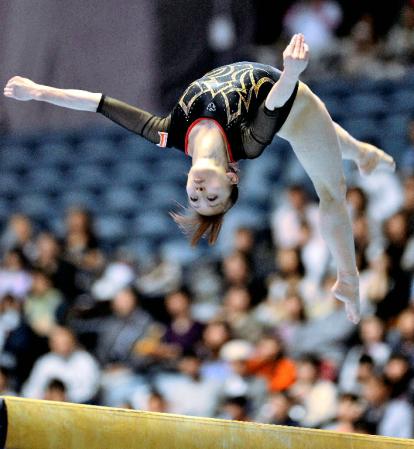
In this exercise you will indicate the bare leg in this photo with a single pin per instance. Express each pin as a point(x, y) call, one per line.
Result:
point(367, 157)
point(313, 137)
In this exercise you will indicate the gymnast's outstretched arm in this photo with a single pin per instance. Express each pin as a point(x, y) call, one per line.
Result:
point(132, 118)
point(296, 58)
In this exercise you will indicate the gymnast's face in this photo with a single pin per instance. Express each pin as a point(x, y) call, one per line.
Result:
point(208, 188)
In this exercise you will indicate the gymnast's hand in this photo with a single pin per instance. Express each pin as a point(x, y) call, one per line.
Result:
point(296, 56)
point(21, 89)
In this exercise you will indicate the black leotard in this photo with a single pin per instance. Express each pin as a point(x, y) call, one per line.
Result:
point(233, 95)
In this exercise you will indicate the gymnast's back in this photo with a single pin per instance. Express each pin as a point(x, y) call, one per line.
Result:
point(233, 95)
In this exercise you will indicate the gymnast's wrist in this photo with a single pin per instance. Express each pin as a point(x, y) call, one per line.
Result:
point(40, 92)
point(290, 75)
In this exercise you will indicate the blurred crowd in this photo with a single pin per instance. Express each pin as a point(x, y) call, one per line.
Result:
point(345, 37)
point(252, 335)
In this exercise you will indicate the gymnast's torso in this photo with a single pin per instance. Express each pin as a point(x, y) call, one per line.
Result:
point(233, 95)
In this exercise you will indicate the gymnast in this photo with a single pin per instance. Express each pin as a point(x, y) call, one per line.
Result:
point(233, 113)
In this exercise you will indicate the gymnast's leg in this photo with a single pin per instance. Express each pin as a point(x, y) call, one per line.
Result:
point(368, 157)
point(312, 134)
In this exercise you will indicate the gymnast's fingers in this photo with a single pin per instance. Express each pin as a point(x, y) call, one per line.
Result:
point(298, 44)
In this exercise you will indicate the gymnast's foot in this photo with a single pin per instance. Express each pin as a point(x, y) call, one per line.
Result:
point(374, 158)
point(346, 289)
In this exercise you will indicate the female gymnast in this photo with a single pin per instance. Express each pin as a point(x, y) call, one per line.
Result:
point(233, 113)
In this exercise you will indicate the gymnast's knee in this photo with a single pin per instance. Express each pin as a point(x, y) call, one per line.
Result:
point(332, 195)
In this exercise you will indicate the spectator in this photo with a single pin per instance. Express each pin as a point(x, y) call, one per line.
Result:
point(400, 39)
point(237, 272)
point(288, 277)
point(158, 278)
point(269, 362)
point(326, 332)
point(215, 335)
point(182, 333)
point(235, 408)
point(14, 276)
point(66, 361)
point(317, 396)
point(385, 197)
point(119, 333)
point(81, 246)
point(156, 402)
point(407, 163)
point(360, 51)
point(118, 274)
point(19, 345)
point(387, 417)
point(407, 261)
point(294, 320)
point(399, 374)
point(397, 297)
point(10, 317)
point(62, 273)
point(317, 20)
point(365, 369)
point(80, 236)
point(55, 391)
point(357, 201)
point(18, 234)
point(42, 304)
point(5, 389)
point(295, 226)
point(257, 247)
point(371, 333)
point(408, 206)
point(236, 312)
point(276, 410)
point(349, 412)
point(188, 392)
point(240, 382)
point(126, 344)
point(402, 336)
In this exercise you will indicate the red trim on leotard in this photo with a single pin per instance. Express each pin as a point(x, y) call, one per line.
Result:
point(229, 152)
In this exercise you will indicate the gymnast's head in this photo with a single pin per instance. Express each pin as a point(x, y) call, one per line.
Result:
point(211, 190)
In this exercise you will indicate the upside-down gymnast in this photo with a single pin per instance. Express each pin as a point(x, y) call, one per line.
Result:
point(233, 113)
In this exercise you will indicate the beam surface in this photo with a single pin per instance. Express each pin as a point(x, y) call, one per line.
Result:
point(33, 424)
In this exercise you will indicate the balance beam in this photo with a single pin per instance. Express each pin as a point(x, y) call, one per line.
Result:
point(32, 424)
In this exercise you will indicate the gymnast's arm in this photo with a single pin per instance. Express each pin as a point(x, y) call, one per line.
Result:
point(295, 60)
point(132, 118)
point(272, 114)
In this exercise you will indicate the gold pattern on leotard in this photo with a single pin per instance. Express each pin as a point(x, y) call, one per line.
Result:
point(225, 81)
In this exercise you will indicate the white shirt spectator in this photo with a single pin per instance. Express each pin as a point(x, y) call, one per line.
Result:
point(317, 20)
point(398, 420)
point(187, 396)
point(288, 232)
point(320, 404)
point(385, 194)
point(79, 372)
point(16, 283)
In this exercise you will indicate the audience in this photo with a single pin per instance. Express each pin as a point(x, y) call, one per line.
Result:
point(316, 396)
point(55, 391)
point(349, 412)
point(269, 362)
point(66, 361)
point(387, 416)
point(42, 304)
